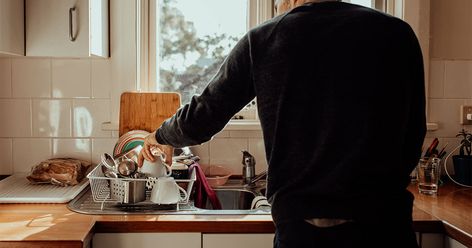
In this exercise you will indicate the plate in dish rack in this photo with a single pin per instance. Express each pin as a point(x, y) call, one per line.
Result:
point(128, 141)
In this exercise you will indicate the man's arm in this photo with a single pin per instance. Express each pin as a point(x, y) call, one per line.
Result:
point(230, 90)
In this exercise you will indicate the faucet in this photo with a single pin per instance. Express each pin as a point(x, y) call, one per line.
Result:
point(249, 167)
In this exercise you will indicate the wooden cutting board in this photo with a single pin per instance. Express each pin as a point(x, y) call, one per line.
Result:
point(146, 110)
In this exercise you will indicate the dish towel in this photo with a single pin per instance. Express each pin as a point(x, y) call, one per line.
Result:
point(203, 190)
point(260, 202)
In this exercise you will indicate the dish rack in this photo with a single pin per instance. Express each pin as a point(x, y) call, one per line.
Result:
point(114, 190)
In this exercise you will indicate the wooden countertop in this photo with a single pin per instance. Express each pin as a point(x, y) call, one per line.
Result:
point(452, 205)
point(53, 225)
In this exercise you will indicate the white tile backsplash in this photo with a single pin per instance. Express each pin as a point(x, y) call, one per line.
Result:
point(52, 118)
point(29, 152)
point(436, 86)
point(31, 77)
point(227, 152)
point(245, 134)
point(257, 149)
point(16, 118)
point(203, 151)
point(446, 113)
point(37, 119)
point(5, 78)
point(88, 116)
point(6, 158)
point(458, 75)
point(101, 78)
point(74, 148)
point(71, 78)
point(100, 146)
point(222, 134)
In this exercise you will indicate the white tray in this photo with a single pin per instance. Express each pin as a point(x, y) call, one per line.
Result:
point(17, 189)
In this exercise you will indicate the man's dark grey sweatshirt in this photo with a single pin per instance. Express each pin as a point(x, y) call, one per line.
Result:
point(340, 96)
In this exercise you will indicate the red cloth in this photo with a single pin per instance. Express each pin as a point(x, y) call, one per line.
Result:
point(203, 190)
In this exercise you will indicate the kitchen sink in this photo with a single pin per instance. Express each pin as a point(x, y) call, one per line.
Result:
point(234, 197)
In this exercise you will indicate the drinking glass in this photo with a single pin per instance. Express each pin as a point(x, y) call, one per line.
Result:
point(428, 175)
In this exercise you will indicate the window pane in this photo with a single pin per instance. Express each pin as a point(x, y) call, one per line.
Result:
point(366, 3)
point(194, 38)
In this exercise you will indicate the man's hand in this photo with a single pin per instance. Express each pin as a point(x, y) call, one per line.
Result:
point(151, 143)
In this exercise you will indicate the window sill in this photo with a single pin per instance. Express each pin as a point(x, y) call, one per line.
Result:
point(237, 125)
point(233, 125)
point(243, 125)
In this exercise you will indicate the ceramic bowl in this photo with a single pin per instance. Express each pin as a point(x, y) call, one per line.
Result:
point(217, 175)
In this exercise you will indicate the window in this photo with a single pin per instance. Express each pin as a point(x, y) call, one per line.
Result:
point(393, 7)
point(188, 40)
point(183, 42)
point(366, 3)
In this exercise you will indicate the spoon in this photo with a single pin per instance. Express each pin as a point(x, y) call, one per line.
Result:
point(108, 161)
point(108, 173)
point(127, 167)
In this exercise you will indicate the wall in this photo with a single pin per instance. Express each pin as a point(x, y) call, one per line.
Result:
point(450, 68)
point(54, 107)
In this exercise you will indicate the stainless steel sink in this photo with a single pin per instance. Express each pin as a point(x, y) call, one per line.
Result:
point(234, 197)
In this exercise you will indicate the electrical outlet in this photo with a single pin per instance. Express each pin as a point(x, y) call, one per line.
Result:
point(466, 115)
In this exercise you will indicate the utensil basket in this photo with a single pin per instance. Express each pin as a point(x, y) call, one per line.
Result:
point(116, 190)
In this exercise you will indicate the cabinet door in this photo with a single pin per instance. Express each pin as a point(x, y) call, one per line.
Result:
point(49, 25)
point(432, 240)
point(238, 240)
point(147, 240)
point(12, 41)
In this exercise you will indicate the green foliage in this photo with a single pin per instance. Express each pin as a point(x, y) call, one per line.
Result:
point(178, 38)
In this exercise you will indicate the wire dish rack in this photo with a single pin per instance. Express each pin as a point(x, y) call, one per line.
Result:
point(116, 190)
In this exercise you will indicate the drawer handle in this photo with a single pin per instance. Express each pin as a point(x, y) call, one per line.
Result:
point(71, 25)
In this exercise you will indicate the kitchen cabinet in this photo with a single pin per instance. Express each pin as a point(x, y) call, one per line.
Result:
point(12, 39)
point(145, 240)
point(67, 28)
point(264, 240)
point(432, 240)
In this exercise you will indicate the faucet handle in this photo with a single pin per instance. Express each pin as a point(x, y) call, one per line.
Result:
point(248, 159)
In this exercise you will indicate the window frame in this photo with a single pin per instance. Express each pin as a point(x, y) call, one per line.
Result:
point(414, 12)
point(147, 29)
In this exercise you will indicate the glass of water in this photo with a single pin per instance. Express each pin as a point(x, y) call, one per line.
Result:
point(428, 175)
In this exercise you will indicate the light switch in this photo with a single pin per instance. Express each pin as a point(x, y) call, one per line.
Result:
point(466, 115)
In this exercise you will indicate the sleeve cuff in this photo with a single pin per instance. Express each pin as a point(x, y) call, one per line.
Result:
point(159, 138)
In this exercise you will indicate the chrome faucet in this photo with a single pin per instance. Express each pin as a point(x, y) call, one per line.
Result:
point(249, 167)
point(259, 177)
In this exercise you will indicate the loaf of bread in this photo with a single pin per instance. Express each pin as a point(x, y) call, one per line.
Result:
point(59, 171)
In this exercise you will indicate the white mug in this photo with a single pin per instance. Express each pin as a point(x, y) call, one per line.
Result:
point(158, 168)
point(166, 191)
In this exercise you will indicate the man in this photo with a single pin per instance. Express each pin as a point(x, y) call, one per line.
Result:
point(340, 93)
